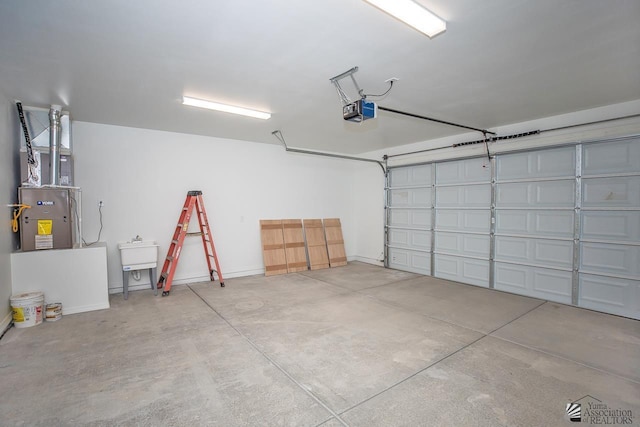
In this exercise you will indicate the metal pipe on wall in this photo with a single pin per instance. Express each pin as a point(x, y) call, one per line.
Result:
point(55, 135)
point(278, 135)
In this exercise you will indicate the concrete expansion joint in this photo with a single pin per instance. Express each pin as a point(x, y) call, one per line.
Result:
point(270, 360)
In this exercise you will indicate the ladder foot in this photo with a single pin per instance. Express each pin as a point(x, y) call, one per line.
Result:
point(222, 284)
point(165, 293)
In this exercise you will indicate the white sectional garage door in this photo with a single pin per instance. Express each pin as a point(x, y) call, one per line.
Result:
point(561, 224)
point(535, 222)
point(609, 269)
point(463, 219)
point(409, 216)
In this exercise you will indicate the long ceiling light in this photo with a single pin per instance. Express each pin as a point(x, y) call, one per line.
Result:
point(413, 15)
point(225, 108)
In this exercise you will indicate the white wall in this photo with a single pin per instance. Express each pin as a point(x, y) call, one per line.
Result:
point(9, 140)
point(369, 210)
point(143, 177)
point(368, 184)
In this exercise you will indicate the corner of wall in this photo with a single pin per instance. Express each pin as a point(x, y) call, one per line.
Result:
point(9, 178)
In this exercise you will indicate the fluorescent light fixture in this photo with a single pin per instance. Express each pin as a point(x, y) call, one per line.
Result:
point(224, 107)
point(413, 15)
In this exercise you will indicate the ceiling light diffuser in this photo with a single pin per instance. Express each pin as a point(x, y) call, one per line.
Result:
point(225, 108)
point(413, 15)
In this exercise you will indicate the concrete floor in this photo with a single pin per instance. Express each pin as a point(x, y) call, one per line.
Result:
point(357, 345)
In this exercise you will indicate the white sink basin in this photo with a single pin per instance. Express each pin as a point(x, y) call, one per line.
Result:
point(137, 255)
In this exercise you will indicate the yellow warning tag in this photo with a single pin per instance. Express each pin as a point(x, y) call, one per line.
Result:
point(44, 226)
point(185, 226)
point(18, 314)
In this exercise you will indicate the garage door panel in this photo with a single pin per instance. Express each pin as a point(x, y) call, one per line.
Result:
point(611, 192)
point(471, 196)
point(399, 197)
point(398, 257)
point(421, 240)
point(612, 259)
point(463, 171)
point(462, 244)
point(466, 220)
point(612, 295)
point(414, 197)
point(537, 164)
point(414, 218)
point(553, 253)
point(552, 282)
point(410, 176)
point(512, 278)
point(399, 217)
point(611, 225)
point(535, 223)
point(399, 177)
point(465, 270)
point(398, 237)
point(611, 157)
point(406, 260)
point(536, 194)
point(538, 282)
point(411, 239)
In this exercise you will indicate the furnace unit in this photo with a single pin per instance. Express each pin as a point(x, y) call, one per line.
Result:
point(48, 223)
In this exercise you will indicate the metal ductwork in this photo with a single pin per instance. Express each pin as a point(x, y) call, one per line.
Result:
point(55, 132)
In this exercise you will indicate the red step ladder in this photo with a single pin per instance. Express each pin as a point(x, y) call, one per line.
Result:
point(194, 199)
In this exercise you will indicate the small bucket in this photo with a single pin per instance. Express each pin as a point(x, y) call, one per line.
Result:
point(53, 312)
point(28, 309)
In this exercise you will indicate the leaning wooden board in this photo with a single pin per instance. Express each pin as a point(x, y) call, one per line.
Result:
point(294, 245)
point(275, 259)
point(335, 242)
point(316, 244)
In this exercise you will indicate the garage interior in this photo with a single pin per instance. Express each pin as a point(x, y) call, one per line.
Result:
point(488, 193)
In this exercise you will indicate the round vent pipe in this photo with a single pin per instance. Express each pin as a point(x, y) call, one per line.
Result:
point(55, 135)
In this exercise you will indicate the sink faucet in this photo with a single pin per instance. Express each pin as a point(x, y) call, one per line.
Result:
point(137, 238)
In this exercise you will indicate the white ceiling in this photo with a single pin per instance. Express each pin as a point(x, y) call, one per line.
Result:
point(129, 63)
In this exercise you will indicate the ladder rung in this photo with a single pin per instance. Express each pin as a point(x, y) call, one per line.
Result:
point(175, 242)
point(170, 258)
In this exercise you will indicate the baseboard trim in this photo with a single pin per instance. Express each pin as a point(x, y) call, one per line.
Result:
point(116, 288)
point(4, 324)
point(366, 260)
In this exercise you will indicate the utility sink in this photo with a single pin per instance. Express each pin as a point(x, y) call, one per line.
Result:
point(138, 254)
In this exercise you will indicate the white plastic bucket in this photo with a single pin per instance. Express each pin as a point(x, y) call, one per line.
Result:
point(53, 312)
point(28, 309)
